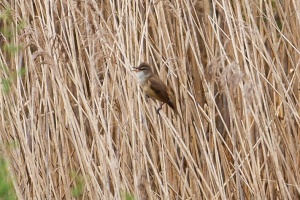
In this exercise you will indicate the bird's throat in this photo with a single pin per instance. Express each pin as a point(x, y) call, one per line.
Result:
point(142, 77)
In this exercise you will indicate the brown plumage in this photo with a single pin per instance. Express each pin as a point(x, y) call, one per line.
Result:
point(154, 87)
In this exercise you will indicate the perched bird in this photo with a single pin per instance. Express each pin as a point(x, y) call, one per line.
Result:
point(154, 87)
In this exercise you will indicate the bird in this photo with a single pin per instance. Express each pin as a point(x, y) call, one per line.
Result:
point(154, 87)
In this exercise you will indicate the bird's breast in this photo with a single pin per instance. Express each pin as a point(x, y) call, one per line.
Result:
point(148, 91)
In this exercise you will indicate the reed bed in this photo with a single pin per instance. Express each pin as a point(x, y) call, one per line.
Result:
point(76, 125)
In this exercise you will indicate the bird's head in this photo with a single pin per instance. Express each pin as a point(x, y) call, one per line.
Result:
point(143, 67)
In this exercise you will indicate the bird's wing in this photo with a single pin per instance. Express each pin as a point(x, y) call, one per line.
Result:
point(159, 88)
point(162, 91)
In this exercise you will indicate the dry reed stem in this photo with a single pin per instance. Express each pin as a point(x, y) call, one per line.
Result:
point(77, 117)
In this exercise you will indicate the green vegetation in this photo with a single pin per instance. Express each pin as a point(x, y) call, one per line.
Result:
point(77, 190)
point(9, 31)
point(129, 196)
point(7, 191)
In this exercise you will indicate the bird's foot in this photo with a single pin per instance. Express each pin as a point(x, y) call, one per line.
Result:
point(157, 110)
point(160, 107)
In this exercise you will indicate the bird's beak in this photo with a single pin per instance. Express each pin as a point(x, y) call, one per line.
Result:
point(135, 69)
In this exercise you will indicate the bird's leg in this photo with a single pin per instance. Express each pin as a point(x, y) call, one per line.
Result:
point(160, 107)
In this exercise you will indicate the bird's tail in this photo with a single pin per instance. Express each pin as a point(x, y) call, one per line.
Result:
point(172, 102)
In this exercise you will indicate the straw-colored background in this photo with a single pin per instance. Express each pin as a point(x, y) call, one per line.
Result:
point(75, 124)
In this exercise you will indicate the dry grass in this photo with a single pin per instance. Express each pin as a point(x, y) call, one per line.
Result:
point(75, 124)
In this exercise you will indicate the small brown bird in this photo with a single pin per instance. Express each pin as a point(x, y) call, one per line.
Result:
point(154, 87)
